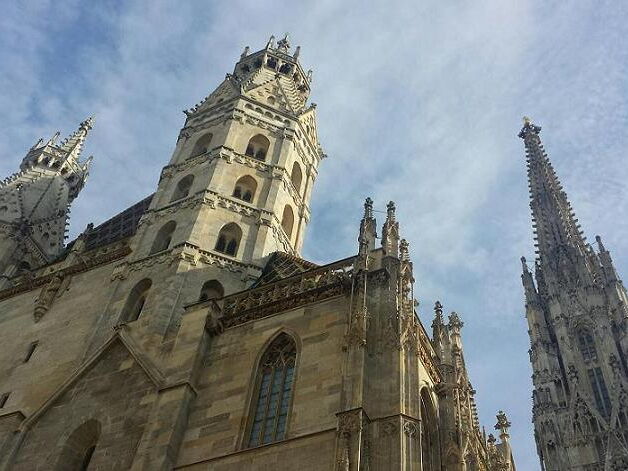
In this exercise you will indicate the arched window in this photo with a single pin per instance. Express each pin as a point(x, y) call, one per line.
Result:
point(229, 239)
point(183, 188)
point(136, 300)
point(245, 188)
point(211, 290)
point(587, 345)
point(202, 144)
point(258, 147)
point(78, 450)
point(163, 237)
point(273, 392)
point(429, 434)
point(287, 220)
point(296, 176)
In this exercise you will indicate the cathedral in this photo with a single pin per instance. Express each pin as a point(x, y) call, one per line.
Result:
point(577, 311)
point(187, 332)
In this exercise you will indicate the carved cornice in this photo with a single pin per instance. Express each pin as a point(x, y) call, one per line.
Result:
point(312, 286)
point(88, 261)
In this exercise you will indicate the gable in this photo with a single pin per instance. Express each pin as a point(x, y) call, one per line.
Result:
point(114, 390)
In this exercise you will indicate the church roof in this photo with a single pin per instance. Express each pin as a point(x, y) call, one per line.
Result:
point(281, 265)
point(121, 226)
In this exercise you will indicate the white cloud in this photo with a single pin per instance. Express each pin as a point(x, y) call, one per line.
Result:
point(418, 102)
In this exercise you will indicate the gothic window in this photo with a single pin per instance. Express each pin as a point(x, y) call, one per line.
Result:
point(285, 69)
point(163, 237)
point(287, 220)
point(602, 399)
point(211, 290)
point(258, 147)
point(273, 392)
point(271, 62)
point(183, 188)
point(202, 145)
point(429, 433)
point(245, 188)
point(587, 345)
point(136, 300)
point(296, 176)
point(229, 239)
point(78, 450)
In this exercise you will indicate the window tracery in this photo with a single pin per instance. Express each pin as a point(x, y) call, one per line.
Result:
point(274, 390)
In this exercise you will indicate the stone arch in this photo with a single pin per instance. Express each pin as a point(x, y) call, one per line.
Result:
point(211, 289)
point(287, 220)
point(228, 240)
point(245, 188)
point(163, 237)
point(183, 188)
point(296, 176)
point(79, 447)
point(430, 444)
point(136, 300)
point(258, 147)
point(201, 146)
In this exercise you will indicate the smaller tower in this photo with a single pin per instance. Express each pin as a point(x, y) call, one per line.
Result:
point(35, 203)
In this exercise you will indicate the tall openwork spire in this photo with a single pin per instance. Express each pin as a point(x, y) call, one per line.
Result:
point(553, 219)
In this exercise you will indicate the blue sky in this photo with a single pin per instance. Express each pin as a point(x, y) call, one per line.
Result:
point(418, 102)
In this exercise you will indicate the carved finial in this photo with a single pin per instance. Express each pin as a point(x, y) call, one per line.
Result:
point(297, 52)
point(245, 52)
point(524, 264)
point(283, 44)
point(438, 309)
point(502, 422)
point(309, 75)
point(528, 128)
point(404, 253)
point(368, 208)
point(390, 211)
point(600, 245)
point(491, 440)
point(454, 321)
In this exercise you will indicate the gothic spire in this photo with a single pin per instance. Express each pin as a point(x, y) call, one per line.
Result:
point(390, 232)
point(553, 219)
point(367, 236)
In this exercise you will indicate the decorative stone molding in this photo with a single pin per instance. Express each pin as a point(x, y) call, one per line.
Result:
point(410, 428)
point(312, 286)
point(89, 261)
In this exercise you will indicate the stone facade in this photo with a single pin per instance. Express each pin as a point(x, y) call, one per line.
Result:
point(578, 323)
point(187, 333)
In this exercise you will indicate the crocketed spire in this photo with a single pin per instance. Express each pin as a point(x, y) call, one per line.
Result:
point(553, 219)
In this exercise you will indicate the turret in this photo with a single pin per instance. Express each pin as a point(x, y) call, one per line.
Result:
point(35, 202)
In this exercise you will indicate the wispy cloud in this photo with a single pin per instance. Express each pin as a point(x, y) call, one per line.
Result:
point(418, 102)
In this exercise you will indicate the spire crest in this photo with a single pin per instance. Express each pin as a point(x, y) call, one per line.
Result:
point(553, 219)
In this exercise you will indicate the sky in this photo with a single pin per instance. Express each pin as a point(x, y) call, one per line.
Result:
point(419, 102)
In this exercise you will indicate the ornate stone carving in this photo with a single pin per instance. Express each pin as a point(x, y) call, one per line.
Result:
point(48, 294)
point(410, 428)
point(388, 427)
point(311, 286)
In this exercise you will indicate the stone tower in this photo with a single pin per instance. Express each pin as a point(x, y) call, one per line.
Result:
point(35, 203)
point(576, 308)
point(238, 185)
